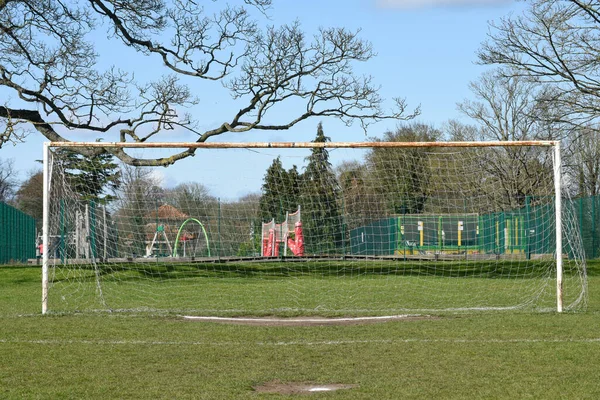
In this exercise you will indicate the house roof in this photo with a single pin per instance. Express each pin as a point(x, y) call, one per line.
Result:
point(167, 212)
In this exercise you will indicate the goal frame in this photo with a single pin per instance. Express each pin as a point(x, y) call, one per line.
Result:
point(557, 170)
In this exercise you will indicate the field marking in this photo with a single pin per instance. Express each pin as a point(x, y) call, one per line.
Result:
point(307, 321)
point(294, 343)
point(300, 319)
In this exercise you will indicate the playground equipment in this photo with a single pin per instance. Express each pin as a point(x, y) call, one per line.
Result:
point(525, 232)
point(82, 233)
point(158, 235)
point(289, 232)
point(177, 239)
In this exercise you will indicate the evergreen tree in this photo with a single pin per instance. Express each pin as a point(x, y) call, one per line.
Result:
point(293, 179)
point(280, 192)
point(92, 178)
point(321, 213)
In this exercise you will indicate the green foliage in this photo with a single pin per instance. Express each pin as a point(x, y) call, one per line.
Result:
point(250, 248)
point(280, 191)
point(91, 177)
point(321, 212)
point(404, 175)
point(316, 190)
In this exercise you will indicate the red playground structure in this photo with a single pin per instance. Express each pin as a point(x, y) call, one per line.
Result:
point(289, 233)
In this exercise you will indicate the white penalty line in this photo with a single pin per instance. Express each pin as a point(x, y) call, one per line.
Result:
point(297, 342)
point(307, 320)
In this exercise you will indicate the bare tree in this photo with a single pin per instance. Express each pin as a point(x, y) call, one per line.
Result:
point(192, 198)
point(555, 43)
point(8, 183)
point(139, 196)
point(508, 108)
point(48, 60)
point(583, 165)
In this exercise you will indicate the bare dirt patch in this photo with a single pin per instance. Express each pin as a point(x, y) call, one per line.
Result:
point(307, 321)
point(299, 387)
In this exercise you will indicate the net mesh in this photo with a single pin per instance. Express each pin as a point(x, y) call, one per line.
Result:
point(313, 232)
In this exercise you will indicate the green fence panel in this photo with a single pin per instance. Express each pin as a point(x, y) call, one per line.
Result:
point(439, 232)
point(586, 209)
point(378, 238)
point(530, 230)
point(17, 235)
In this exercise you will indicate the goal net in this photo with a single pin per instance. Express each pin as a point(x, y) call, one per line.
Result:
point(311, 229)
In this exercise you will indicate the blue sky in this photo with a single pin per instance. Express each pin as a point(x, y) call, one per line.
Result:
point(425, 53)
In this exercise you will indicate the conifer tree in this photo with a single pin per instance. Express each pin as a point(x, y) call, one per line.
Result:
point(321, 213)
point(93, 178)
point(280, 192)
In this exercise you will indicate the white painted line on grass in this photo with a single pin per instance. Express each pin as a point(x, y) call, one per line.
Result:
point(301, 319)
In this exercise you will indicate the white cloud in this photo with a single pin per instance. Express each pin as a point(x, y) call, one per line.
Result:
point(158, 177)
point(413, 4)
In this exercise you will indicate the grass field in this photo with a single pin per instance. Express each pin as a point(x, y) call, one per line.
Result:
point(464, 355)
point(323, 287)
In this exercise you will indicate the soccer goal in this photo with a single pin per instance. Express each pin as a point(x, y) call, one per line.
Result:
point(327, 229)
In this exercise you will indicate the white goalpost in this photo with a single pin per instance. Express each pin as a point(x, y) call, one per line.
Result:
point(558, 215)
point(333, 228)
point(45, 226)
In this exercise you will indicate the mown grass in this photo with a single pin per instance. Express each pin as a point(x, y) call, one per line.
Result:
point(466, 355)
point(308, 288)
